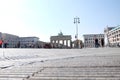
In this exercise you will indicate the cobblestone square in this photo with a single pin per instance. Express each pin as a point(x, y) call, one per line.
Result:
point(60, 64)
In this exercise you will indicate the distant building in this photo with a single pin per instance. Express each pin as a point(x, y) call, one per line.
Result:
point(89, 40)
point(10, 40)
point(112, 36)
point(0, 35)
point(77, 44)
point(28, 42)
point(13, 41)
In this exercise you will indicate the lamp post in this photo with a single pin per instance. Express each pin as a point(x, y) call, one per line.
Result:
point(107, 34)
point(76, 21)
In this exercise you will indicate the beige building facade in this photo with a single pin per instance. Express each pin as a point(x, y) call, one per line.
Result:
point(89, 40)
point(112, 36)
point(28, 42)
point(12, 41)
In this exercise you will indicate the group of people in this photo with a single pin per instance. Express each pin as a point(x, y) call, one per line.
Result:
point(97, 44)
point(3, 44)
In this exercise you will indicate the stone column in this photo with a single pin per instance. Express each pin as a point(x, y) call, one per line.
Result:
point(54, 41)
point(70, 44)
point(51, 41)
point(67, 43)
point(58, 41)
point(63, 42)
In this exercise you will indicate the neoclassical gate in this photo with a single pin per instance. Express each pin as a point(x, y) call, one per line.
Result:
point(63, 41)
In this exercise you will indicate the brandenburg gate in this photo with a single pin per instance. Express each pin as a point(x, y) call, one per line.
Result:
point(61, 41)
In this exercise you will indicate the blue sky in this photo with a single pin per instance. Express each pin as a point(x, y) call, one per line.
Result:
point(44, 18)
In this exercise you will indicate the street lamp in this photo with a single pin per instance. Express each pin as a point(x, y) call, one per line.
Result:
point(107, 34)
point(76, 21)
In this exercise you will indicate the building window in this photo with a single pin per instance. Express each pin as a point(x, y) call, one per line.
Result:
point(117, 39)
point(86, 39)
point(117, 35)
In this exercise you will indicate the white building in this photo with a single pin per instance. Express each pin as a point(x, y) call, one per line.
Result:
point(89, 39)
point(28, 41)
point(0, 35)
point(113, 35)
point(11, 40)
point(14, 41)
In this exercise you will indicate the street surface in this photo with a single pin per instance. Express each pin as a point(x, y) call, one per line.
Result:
point(60, 64)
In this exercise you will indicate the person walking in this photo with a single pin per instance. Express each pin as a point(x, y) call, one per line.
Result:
point(1, 43)
point(96, 43)
point(102, 42)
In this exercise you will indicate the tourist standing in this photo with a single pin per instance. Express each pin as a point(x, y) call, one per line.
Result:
point(96, 43)
point(1, 43)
